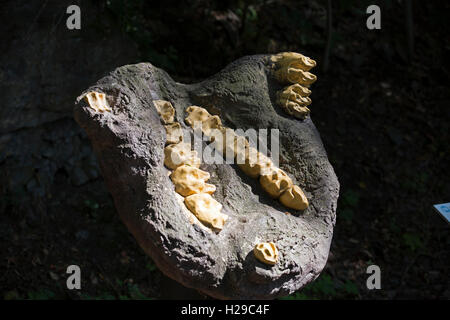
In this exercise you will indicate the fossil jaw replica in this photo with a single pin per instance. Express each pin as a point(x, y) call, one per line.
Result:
point(131, 128)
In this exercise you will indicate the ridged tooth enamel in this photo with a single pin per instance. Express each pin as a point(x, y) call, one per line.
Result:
point(190, 180)
point(211, 123)
point(294, 198)
point(196, 114)
point(256, 163)
point(206, 209)
point(174, 133)
point(165, 110)
point(178, 154)
point(97, 101)
point(292, 67)
point(293, 59)
point(275, 183)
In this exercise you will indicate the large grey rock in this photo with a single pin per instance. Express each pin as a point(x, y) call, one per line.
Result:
point(129, 143)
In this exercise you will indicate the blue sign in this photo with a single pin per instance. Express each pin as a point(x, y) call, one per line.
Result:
point(444, 210)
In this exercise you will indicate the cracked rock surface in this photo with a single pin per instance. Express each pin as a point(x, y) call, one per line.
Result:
point(129, 142)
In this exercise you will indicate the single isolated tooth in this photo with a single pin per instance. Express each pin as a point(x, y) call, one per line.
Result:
point(276, 182)
point(165, 110)
point(266, 252)
point(196, 114)
point(97, 101)
point(206, 209)
point(174, 133)
point(256, 163)
point(191, 180)
point(178, 154)
point(294, 198)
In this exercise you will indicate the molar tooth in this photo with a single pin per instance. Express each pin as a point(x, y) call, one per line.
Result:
point(296, 89)
point(297, 60)
point(174, 133)
point(196, 114)
point(211, 123)
point(225, 141)
point(178, 154)
point(266, 252)
point(294, 198)
point(256, 163)
point(299, 111)
point(206, 209)
point(97, 101)
point(299, 76)
point(293, 99)
point(276, 182)
point(190, 180)
point(165, 110)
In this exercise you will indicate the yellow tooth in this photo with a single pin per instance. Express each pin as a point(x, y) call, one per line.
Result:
point(206, 209)
point(211, 123)
point(301, 77)
point(293, 100)
point(266, 252)
point(294, 59)
point(256, 163)
point(196, 114)
point(276, 182)
point(292, 67)
point(294, 198)
point(178, 154)
point(97, 101)
point(190, 180)
point(165, 110)
point(174, 133)
point(301, 90)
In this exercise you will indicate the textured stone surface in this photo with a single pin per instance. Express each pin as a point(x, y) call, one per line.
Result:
point(129, 143)
point(43, 66)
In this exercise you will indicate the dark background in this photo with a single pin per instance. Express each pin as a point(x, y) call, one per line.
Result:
point(381, 106)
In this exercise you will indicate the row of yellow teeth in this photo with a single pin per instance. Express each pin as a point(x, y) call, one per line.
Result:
point(188, 179)
point(256, 165)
